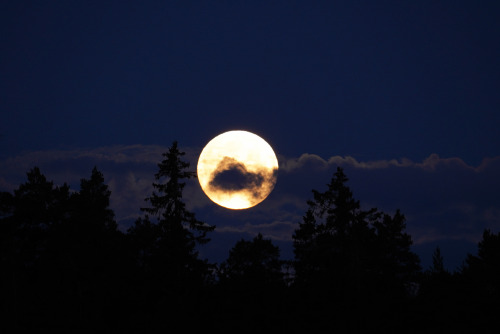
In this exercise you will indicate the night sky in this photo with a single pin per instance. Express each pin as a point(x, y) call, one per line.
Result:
point(404, 95)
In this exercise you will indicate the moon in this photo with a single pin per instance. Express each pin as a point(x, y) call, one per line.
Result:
point(237, 169)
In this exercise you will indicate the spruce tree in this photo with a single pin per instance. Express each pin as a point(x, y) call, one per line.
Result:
point(167, 236)
point(395, 266)
point(483, 270)
point(330, 244)
point(92, 204)
point(251, 286)
point(30, 217)
point(166, 201)
point(350, 251)
point(253, 263)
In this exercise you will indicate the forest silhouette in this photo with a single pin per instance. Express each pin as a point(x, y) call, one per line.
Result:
point(66, 266)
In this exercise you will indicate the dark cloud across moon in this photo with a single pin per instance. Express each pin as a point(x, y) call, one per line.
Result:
point(237, 169)
point(232, 175)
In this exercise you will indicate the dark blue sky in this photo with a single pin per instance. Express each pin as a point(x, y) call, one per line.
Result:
point(374, 80)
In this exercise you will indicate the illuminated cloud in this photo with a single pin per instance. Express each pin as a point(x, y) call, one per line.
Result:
point(316, 162)
point(443, 199)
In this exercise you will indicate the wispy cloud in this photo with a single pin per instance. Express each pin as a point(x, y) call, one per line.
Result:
point(442, 198)
point(430, 163)
point(128, 170)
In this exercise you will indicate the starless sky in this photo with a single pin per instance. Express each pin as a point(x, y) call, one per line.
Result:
point(415, 82)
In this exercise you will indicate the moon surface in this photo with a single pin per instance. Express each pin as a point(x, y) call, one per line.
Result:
point(237, 169)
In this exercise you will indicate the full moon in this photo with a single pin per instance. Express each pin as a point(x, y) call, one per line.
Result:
point(237, 169)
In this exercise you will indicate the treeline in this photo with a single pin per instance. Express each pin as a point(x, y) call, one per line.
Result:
point(64, 265)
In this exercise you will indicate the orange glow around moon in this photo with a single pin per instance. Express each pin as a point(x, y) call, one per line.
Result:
point(237, 169)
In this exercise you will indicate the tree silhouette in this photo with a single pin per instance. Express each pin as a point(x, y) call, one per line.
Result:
point(251, 286)
point(92, 205)
point(10, 266)
point(484, 269)
point(253, 264)
point(37, 207)
point(331, 243)
point(176, 230)
point(481, 281)
point(397, 267)
point(62, 255)
point(166, 201)
point(29, 216)
point(165, 241)
point(95, 250)
point(349, 258)
point(81, 266)
point(65, 265)
point(331, 255)
point(467, 300)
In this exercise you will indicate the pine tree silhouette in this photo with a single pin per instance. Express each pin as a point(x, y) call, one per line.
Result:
point(253, 263)
point(64, 265)
point(165, 241)
point(347, 259)
point(330, 244)
point(251, 285)
point(483, 270)
point(31, 215)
